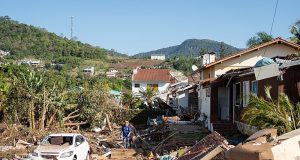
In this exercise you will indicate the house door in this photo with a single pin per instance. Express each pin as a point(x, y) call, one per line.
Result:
point(223, 103)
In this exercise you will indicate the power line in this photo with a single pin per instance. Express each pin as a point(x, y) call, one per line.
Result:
point(271, 29)
point(274, 17)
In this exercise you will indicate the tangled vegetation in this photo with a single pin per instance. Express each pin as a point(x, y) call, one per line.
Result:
point(267, 113)
point(50, 98)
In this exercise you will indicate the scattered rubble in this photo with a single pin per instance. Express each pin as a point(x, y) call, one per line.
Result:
point(213, 146)
point(265, 144)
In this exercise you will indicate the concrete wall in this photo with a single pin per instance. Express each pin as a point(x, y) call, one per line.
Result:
point(288, 149)
point(204, 104)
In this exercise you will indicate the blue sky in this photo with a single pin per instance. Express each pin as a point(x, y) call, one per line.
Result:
point(133, 26)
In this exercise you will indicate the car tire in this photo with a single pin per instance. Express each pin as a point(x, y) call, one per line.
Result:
point(75, 157)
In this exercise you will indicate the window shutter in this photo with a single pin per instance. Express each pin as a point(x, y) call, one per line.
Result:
point(246, 93)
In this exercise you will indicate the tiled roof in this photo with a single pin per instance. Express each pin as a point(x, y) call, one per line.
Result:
point(152, 75)
point(274, 41)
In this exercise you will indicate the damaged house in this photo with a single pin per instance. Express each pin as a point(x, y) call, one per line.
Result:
point(240, 83)
point(221, 99)
point(183, 94)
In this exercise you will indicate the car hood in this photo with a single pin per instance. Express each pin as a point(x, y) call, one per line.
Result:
point(53, 148)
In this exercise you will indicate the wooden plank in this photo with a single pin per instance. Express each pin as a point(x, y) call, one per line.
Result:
point(108, 123)
point(213, 153)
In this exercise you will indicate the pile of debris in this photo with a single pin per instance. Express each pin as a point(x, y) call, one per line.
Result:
point(168, 136)
point(265, 144)
point(213, 146)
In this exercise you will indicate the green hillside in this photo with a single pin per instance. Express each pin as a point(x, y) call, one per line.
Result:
point(24, 40)
point(194, 47)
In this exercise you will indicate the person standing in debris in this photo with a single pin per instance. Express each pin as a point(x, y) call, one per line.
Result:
point(132, 134)
point(126, 130)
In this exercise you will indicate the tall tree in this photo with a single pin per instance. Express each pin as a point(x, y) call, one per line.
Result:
point(33, 84)
point(259, 38)
point(295, 30)
point(222, 49)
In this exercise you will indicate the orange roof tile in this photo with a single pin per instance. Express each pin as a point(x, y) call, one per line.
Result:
point(153, 75)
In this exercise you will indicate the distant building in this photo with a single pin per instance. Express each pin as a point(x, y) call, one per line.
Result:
point(30, 62)
point(112, 73)
point(35, 62)
point(158, 57)
point(89, 71)
point(3, 53)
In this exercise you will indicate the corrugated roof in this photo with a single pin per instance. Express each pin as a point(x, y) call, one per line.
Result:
point(154, 75)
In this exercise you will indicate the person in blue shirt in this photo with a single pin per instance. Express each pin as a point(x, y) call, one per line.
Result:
point(126, 130)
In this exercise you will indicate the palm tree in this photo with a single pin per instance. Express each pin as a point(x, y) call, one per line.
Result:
point(33, 84)
point(267, 113)
point(295, 30)
point(260, 38)
point(129, 100)
point(148, 95)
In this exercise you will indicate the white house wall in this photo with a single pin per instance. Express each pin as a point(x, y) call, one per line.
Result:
point(204, 103)
point(162, 88)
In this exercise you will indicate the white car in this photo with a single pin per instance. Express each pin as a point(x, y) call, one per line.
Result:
point(64, 146)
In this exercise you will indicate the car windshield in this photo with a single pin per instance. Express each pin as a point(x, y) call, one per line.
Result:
point(58, 140)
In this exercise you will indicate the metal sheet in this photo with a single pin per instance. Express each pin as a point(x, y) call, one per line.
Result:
point(267, 71)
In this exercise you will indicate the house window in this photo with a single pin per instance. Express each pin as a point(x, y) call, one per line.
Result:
point(137, 85)
point(153, 86)
point(238, 93)
point(254, 87)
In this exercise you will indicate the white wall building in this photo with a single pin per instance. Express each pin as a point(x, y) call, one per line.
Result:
point(89, 70)
point(158, 57)
point(30, 62)
point(112, 73)
point(158, 79)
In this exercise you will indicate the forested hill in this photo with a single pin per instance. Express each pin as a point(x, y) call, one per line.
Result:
point(26, 40)
point(193, 47)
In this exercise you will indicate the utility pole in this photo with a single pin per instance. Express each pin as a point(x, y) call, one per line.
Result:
point(71, 28)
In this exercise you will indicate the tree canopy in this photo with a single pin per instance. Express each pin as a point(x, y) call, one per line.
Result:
point(295, 30)
point(259, 38)
point(26, 40)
